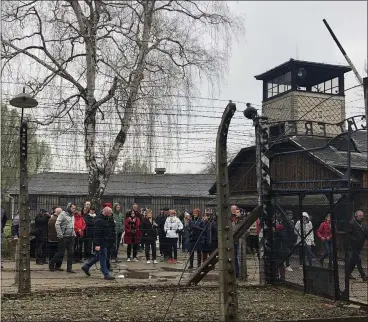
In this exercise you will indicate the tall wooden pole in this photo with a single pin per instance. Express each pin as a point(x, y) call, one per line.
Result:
point(228, 292)
point(23, 266)
point(365, 88)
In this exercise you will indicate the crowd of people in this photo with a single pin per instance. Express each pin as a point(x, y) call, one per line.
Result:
point(88, 235)
point(92, 235)
point(288, 238)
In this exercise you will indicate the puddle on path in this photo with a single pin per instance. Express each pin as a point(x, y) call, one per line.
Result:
point(143, 275)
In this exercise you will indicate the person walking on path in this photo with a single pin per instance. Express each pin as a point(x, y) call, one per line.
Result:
point(173, 226)
point(357, 235)
point(324, 233)
point(308, 238)
point(102, 235)
point(132, 235)
point(149, 236)
point(65, 233)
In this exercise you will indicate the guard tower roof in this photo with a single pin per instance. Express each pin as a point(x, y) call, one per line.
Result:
point(317, 72)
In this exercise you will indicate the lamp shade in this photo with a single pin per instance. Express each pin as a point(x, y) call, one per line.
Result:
point(23, 100)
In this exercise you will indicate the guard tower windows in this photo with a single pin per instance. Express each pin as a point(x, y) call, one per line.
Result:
point(297, 75)
point(330, 86)
point(279, 84)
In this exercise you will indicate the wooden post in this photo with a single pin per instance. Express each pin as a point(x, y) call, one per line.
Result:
point(228, 293)
point(16, 279)
point(243, 258)
point(257, 128)
point(365, 87)
point(23, 266)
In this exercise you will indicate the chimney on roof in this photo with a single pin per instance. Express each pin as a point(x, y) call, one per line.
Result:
point(160, 170)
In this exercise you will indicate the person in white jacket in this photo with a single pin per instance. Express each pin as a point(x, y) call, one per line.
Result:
point(308, 238)
point(172, 227)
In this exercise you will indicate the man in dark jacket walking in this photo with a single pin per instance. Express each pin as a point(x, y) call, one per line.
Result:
point(357, 235)
point(41, 224)
point(103, 233)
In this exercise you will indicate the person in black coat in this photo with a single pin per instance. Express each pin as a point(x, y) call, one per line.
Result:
point(195, 238)
point(160, 221)
point(103, 233)
point(357, 235)
point(41, 225)
point(90, 226)
point(209, 241)
point(149, 236)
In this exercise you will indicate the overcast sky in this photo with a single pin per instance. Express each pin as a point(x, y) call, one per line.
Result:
point(277, 31)
point(274, 33)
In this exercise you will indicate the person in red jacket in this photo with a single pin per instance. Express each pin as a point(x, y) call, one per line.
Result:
point(132, 235)
point(324, 233)
point(79, 229)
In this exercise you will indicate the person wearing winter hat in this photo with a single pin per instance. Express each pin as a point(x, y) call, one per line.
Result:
point(308, 236)
point(107, 204)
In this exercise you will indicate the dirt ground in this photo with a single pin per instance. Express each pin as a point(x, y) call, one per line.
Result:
point(143, 292)
point(168, 303)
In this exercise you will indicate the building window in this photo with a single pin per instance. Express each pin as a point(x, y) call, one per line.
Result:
point(32, 199)
point(330, 86)
point(279, 85)
point(143, 201)
point(63, 201)
point(181, 201)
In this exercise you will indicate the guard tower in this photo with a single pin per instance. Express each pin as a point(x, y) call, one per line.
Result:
point(294, 88)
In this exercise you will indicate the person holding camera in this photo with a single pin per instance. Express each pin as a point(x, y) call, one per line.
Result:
point(132, 235)
point(172, 227)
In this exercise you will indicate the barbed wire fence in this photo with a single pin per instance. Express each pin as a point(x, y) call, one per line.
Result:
point(175, 301)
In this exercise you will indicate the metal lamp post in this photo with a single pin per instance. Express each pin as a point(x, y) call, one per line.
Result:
point(23, 269)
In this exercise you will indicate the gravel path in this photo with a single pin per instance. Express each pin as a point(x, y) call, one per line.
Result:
point(149, 303)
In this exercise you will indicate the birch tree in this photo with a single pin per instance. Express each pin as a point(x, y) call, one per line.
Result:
point(134, 50)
